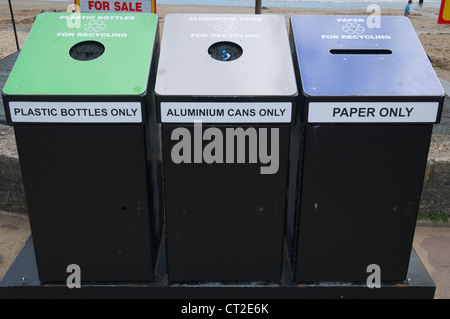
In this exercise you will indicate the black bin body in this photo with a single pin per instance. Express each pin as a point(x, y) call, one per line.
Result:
point(88, 148)
point(370, 98)
point(225, 215)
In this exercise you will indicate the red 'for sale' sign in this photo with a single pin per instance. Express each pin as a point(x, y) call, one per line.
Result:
point(115, 6)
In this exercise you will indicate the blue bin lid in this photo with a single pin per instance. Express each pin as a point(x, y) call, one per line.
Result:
point(362, 56)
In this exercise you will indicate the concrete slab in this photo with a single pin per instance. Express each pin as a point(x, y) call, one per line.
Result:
point(14, 232)
point(446, 86)
point(432, 245)
point(6, 66)
point(12, 194)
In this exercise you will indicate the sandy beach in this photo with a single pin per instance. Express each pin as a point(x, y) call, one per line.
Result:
point(434, 37)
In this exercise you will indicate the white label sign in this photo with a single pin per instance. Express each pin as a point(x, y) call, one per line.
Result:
point(74, 112)
point(373, 112)
point(222, 112)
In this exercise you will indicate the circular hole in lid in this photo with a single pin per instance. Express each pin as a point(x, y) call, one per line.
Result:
point(86, 50)
point(225, 51)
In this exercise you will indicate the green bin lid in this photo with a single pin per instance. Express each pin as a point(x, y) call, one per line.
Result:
point(60, 56)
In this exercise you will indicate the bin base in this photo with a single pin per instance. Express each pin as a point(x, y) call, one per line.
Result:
point(22, 281)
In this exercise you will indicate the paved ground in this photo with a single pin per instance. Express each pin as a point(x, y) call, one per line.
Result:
point(431, 243)
point(14, 231)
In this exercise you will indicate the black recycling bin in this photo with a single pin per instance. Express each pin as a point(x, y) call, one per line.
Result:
point(370, 98)
point(226, 94)
point(82, 106)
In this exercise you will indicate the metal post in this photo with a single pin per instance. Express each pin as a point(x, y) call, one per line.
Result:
point(14, 24)
point(258, 6)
